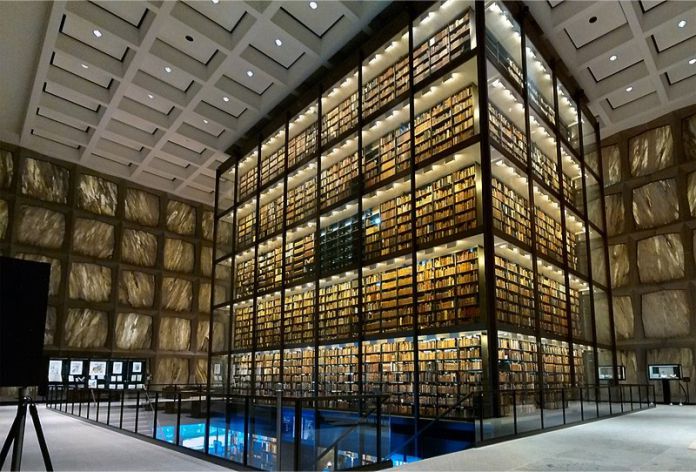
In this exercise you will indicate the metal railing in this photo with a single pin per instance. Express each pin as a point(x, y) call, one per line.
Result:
point(258, 432)
point(524, 411)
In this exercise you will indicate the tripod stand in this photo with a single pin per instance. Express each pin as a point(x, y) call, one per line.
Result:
point(16, 434)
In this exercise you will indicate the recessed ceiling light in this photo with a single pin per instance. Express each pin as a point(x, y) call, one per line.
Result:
point(226, 99)
point(97, 33)
point(612, 57)
point(250, 73)
point(167, 69)
point(278, 42)
point(692, 61)
point(84, 66)
point(205, 121)
point(313, 5)
point(628, 89)
point(682, 23)
point(150, 96)
point(215, 1)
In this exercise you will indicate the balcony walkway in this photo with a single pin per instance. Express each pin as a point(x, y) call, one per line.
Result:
point(655, 439)
point(78, 445)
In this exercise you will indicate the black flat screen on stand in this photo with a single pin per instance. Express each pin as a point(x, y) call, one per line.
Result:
point(23, 300)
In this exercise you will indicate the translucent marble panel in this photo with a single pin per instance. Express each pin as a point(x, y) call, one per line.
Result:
point(691, 193)
point(97, 195)
point(171, 370)
point(89, 282)
point(45, 181)
point(136, 289)
point(599, 264)
point(660, 258)
point(674, 355)
point(142, 207)
point(206, 260)
point(618, 263)
point(50, 327)
point(139, 248)
point(601, 305)
point(54, 281)
point(40, 227)
point(651, 151)
point(623, 317)
point(204, 298)
point(614, 208)
point(202, 335)
point(181, 217)
point(93, 238)
point(201, 370)
point(665, 314)
point(6, 169)
point(176, 294)
point(611, 161)
point(629, 361)
point(689, 137)
point(133, 331)
point(85, 327)
point(207, 225)
point(655, 204)
point(174, 334)
point(4, 218)
point(178, 255)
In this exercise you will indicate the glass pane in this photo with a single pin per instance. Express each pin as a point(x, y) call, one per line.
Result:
point(568, 118)
point(225, 195)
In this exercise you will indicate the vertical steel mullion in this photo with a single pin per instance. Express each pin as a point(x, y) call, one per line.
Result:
point(254, 302)
point(487, 204)
point(529, 170)
point(233, 268)
point(317, 270)
point(283, 279)
point(154, 418)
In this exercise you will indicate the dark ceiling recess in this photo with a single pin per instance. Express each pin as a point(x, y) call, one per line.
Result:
point(593, 19)
point(189, 38)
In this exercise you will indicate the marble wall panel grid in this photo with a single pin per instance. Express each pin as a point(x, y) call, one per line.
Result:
point(128, 228)
point(665, 314)
point(623, 317)
point(611, 161)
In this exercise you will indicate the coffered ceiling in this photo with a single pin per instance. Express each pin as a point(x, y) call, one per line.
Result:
point(156, 91)
point(635, 60)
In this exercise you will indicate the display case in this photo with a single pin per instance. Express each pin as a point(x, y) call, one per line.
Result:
point(423, 230)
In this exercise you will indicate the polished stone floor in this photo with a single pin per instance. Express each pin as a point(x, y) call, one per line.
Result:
point(78, 445)
point(655, 439)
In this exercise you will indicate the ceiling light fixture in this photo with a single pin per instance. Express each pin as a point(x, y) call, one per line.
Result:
point(167, 69)
point(278, 42)
point(628, 89)
point(313, 5)
point(84, 66)
point(225, 99)
point(205, 121)
point(612, 58)
point(215, 1)
point(150, 96)
point(97, 33)
point(250, 73)
point(692, 61)
point(682, 23)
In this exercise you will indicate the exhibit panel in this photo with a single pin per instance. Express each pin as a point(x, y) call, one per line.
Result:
point(423, 223)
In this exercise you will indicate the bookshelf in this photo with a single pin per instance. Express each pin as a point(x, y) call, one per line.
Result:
point(514, 293)
point(448, 290)
point(389, 368)
point(390, 238)
point(298, 321)
point(240, 373)
point(268, 322)
point(338, 371)
point(298, 371)
point(388, 301)
point(449, 367)
point(338, 311)
point(446, 207)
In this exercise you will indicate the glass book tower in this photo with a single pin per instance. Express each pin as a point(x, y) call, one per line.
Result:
point(427, 224)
